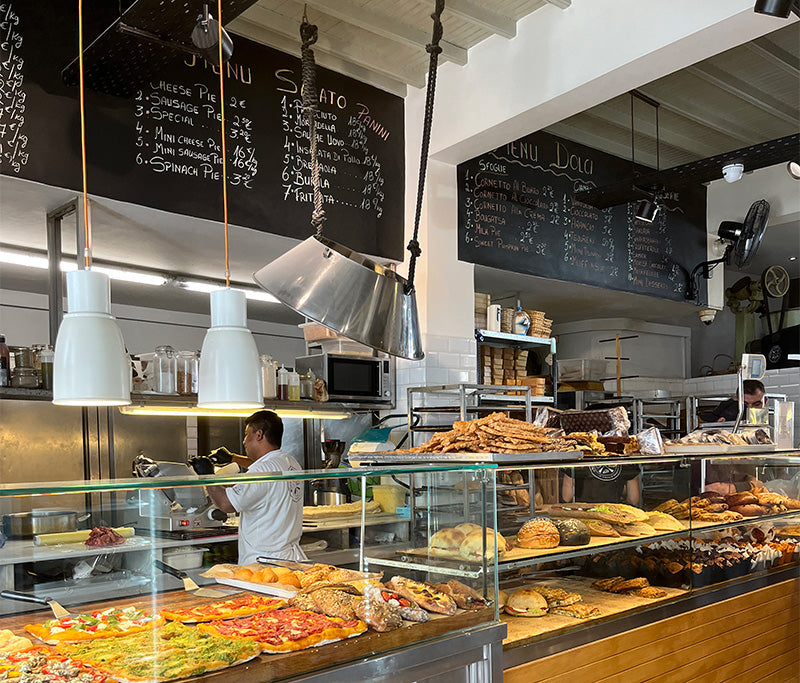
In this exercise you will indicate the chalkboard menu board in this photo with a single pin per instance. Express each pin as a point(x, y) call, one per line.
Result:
point(517, 212)
point(162, 147)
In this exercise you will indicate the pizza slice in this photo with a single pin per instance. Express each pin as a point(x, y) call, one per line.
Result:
point(40, 664)
point(425, 596)
point(240, 606)
point(107, 623)
point(286, 630)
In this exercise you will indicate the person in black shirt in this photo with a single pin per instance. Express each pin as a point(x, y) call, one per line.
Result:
point(728, 411)
point(602, 484)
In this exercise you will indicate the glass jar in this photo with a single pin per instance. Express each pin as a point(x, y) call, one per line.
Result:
point(294, 385)
point(46, 358)
point(186, 372)
point(164, 371)
point(307, 386)
point(26, 378)
point(269, 376)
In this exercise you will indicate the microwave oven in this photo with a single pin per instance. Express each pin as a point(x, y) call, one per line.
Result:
point(364, 379)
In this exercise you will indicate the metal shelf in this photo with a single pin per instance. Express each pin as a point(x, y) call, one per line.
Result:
point(491, 338)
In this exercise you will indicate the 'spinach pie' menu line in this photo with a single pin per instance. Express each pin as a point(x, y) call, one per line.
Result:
point(12, 95)
point(165, 111)
point(350, 174)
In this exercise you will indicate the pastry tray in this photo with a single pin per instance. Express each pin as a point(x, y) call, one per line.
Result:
point(277, 589)
point(717, 449)
point(395, 458)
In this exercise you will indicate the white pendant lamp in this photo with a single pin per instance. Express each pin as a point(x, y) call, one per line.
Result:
point(230, 370)
point(90, 367)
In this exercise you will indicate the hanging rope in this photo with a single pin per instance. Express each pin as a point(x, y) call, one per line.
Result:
point(222, 130)
point(308, 36)
point(434, 50)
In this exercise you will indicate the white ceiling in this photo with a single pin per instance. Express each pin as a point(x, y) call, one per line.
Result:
point(744, 96)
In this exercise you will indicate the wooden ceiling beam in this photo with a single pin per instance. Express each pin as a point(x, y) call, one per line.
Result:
point(384, 25)
point(744, 91)
point(371, 74)
point(480, 15)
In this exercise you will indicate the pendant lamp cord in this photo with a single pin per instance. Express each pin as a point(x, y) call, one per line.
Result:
point(308, 36)
point(222, 132)
point(87, 233)
point(434, 50)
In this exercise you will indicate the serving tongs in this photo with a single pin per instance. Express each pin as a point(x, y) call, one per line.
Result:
point(58, 610)
point(188, 583)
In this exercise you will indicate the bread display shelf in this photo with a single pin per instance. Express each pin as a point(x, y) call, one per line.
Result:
point(395, 458)
point(717, 449)
point(522, 630)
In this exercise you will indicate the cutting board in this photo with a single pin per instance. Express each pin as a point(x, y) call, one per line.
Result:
point(522, 629)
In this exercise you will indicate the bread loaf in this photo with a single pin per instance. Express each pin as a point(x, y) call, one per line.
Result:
point(538, 533)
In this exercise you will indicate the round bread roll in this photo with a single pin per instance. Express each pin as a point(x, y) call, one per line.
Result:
point(447, 539)
point(472, 545)
point(744, 498)
point(538, 533)
point(572, 532)
point(468, 528)
point(502, 599)
point(526, 603)
point(750, 510)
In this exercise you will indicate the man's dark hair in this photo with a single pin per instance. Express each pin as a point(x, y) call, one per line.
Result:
point(269, 423)
point(751, 386)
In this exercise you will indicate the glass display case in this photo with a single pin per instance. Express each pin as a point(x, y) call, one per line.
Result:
point(99, 548)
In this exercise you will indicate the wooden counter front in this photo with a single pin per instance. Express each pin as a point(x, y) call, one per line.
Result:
point(746, 639)
point(268, 667)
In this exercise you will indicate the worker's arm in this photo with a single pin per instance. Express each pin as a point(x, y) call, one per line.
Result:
point(220, 498)
point(567, 489)
point(633, 491)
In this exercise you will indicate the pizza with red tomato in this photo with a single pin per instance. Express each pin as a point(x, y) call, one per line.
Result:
point(41, 665)
point(105, 623)
point(241, 606)
point(287, 630)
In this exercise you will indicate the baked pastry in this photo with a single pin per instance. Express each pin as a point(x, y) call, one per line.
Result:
point(538, 533)
point(650, 592)
point(572, 532)
point(661, 521)
point(526, 603)
point(557, 597)
point(464, 596)
point(629, 585)
point(743, 498)
point(579, 611)
point(472, 547)
point(599, 528)
point(448, 540)
point(750, 510)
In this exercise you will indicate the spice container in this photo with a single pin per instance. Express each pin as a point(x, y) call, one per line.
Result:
point(26, 378)
point(307, 385)
point(164, 371)
point(269, 376)
point(186, 372)
point(283, 384)
point(46, 358)
point(294, 385)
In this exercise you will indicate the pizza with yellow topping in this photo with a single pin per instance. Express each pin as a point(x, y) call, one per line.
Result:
point(287, 630)
point(107, 623)
point(240, 606)
point(40, 665)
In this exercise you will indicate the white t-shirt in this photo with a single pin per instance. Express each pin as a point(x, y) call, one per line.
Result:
point(270, 513)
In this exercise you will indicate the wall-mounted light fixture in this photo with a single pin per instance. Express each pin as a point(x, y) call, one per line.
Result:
point(647, 209)
point(195, 411)
point(777, 8)
point(793, 167)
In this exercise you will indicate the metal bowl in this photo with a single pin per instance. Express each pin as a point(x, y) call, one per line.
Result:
point(29, 524)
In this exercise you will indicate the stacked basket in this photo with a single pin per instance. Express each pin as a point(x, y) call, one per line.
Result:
point(540, 326)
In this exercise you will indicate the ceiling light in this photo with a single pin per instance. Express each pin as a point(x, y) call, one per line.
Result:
point(91, 366)
point(230, 368)
point(733, 172)
point(647, 210)
point(17, 258)
point(207, 37)
point(208, 287)
point(794, 169)
point(777, 8)
point(194, 411)
point(793, 258)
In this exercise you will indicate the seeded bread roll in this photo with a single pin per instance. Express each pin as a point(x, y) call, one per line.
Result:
point(538, 533)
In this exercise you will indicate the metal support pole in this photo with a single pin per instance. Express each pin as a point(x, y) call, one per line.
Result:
point(55, 293)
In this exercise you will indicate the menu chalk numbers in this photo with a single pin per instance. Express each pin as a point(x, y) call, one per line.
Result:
point(13, 142)
point(518, 212)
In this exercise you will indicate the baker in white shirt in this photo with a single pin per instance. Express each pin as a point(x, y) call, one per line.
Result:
point(270, 513)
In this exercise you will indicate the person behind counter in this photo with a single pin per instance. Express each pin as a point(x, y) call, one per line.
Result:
point(270, 513)
point(602, 484)
point(728, 410)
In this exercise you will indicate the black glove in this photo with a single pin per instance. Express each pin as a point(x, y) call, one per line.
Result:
point(201, 464)
point(221, 456)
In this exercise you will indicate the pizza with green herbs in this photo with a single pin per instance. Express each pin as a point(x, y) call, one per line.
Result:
point(105, 623)
point(168, 653)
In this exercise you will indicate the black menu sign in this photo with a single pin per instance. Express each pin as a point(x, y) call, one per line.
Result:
point(517, 212)
point(162, 146)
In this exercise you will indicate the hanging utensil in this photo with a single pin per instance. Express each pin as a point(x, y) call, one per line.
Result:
point(188, 584)
point(333, 285)
point(58, 610)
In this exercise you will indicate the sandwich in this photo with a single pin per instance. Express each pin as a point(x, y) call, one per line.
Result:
point(446, 541)
point(502, 599)
point(526, 603)
point(472, 547)
point(467, 528)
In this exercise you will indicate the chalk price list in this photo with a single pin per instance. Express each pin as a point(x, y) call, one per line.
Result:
point(589, 238)
point(13, 141)
point(177, 133)
point(349, 173)
point(650, 253)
